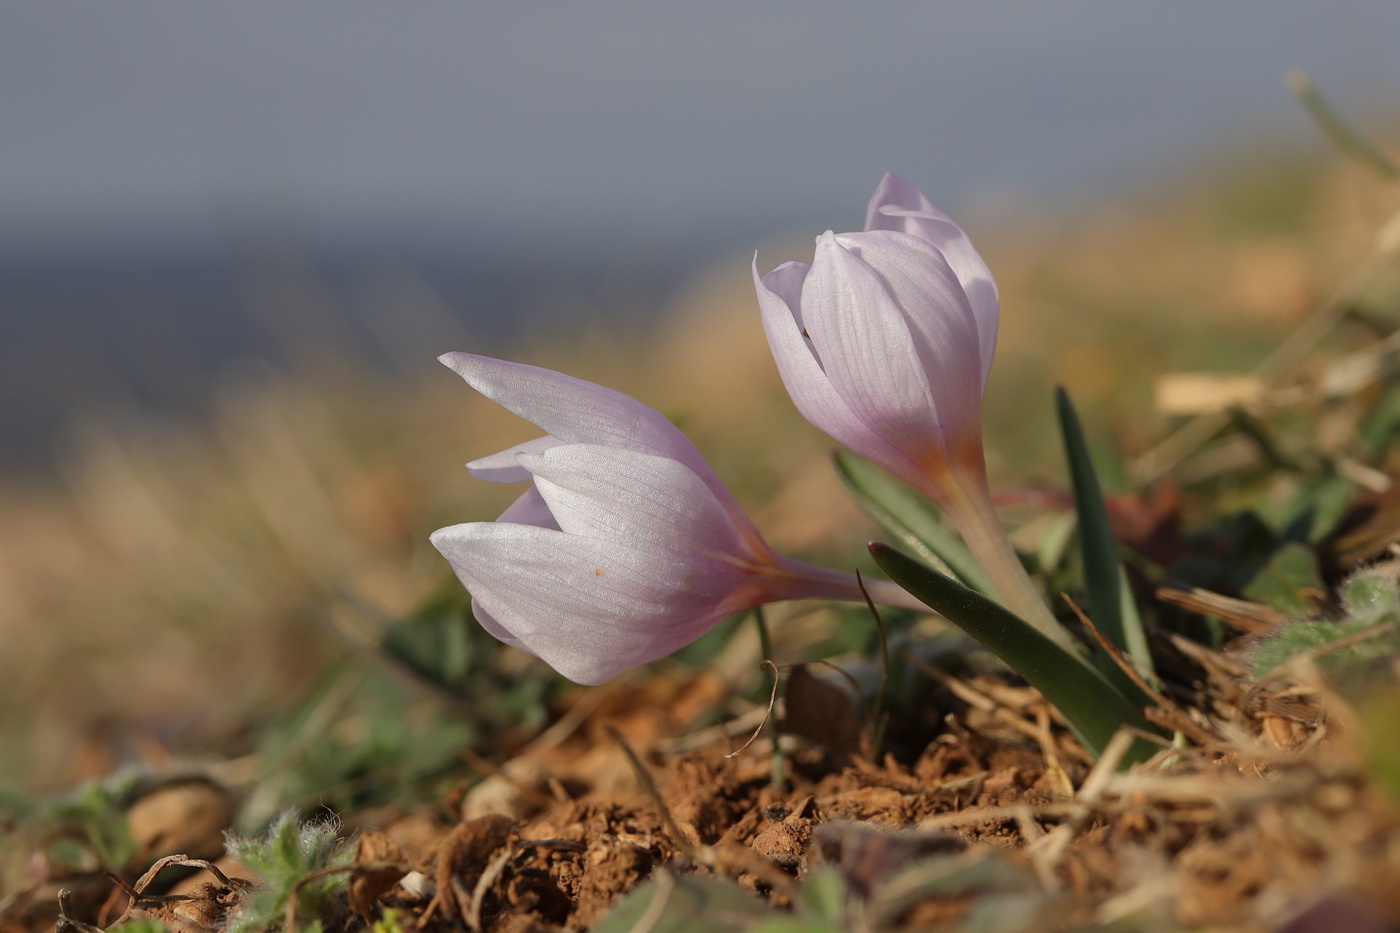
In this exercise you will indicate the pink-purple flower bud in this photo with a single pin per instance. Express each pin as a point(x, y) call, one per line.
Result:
point(626, 547)
point(885, 342)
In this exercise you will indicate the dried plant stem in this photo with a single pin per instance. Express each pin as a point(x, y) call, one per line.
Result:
point(728, 859)
point(878, 717)
point(653, 794)
point(1286, 356)
point(767, 665)
point(1172, 716)
point(765, 648)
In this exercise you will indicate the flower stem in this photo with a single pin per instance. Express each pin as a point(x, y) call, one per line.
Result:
point(798, 580)
point(969, 505)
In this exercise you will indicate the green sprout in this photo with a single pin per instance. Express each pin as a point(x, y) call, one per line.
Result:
point(1098, 695)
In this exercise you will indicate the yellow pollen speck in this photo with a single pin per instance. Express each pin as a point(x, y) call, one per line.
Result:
point(597, 571)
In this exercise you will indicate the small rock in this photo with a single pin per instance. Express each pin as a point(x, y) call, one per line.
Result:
point(186, 815)
point(788, 839)
point(501, 793)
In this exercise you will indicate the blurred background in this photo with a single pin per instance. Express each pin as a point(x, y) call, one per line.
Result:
point(234, 237)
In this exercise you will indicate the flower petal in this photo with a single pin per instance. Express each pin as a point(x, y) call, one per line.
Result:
point(573, 410)
point(923, 285)
point(579, 412)
point(505, 467)
point(493, 628)
point(589, 608)
point(779, 299)
point(639, 500)
point(898, 205)
point(530, 509)
point(863, 340)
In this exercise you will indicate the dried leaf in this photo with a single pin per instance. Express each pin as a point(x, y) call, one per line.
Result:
point(822, 713)
point(1204, 393)
point(379, 864)
point(466, 853)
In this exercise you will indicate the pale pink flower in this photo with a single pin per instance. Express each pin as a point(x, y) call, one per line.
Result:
point(626, 547)
point(885, 342)
point(880, 341)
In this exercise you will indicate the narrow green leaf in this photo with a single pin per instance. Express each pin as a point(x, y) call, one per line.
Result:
point(822, 896)
point(1342, 135)
point(686, 904)
point(972, 875)
point(1110, 602)
point(1054, 542)
point(910, 517)
point(1092, 706)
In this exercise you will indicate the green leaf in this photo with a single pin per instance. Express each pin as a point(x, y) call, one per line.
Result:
point(436, 642)
point(796, 925)
point(97, 809)
point(911, 517)
point(1054, 543)
point(389, 923)
point(282, 858)
point(823, 896)
point(976, 875)
point(1300, 637)
point(1372, 606)
point(1092, 706)
point(1380, 717)
point(1110, 600)
point(1286, 581)
point(1338, 130)
point(1371, 597)
point(1381, 426)
point(686, 904)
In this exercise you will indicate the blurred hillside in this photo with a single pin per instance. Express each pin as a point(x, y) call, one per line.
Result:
point(161, 328)
point(170, 580)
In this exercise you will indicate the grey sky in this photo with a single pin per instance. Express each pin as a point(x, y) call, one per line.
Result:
point(135, 121)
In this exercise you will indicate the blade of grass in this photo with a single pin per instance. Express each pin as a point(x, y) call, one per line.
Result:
point(1342, 135)
point(1110, 600)
point(1093, 707)
point(910, 517)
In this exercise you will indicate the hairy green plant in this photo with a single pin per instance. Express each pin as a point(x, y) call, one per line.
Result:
point(287, 853)
point(1369, 630)
point(94, 816)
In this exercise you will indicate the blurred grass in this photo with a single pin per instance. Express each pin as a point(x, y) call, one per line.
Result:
point(172, 585)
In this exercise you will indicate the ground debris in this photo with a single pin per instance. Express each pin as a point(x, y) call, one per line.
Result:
point(1255, 827)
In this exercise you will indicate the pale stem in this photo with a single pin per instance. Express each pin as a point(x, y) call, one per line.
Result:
point(806, 581)
point(968, 503)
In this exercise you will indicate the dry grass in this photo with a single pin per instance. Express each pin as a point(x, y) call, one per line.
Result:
point(169, 586)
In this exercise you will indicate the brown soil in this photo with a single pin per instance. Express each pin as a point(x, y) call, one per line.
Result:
point(1269, 821)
